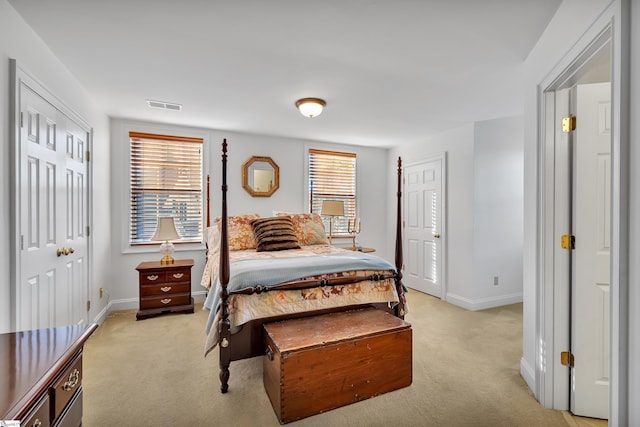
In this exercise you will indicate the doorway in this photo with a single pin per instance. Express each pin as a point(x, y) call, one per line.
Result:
point(576, 233)
point(424, 238)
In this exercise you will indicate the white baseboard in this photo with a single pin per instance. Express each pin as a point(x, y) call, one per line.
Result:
point(199, 295)
point(102, 316)
point(528, 373)
point(133, 303)
point(484, 303)
point(124, 304)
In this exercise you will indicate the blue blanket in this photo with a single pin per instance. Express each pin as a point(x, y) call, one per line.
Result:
point(270, 272)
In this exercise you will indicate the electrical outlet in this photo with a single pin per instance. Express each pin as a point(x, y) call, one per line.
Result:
point(100, 293)
point(495, 281)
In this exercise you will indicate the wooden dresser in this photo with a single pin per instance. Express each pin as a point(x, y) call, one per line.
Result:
point(41, 373)
point(165, 288)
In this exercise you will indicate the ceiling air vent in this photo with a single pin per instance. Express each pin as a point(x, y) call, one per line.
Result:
point(164, 105)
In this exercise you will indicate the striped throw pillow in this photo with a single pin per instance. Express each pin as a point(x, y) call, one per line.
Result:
point(274, 234)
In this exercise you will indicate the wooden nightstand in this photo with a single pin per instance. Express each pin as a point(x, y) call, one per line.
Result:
point(165, 288)
point(361, 249)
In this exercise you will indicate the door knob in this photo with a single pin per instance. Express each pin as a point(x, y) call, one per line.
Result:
point(59, 251)
point(436, 236)
point(66, 251)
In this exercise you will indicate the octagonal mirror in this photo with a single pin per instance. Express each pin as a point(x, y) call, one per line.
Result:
point(260, 176)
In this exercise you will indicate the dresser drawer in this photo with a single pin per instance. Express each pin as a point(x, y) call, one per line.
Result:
point(183, 275)
point(66, 385)
point(151, 277)
point(72, 415)
point(164, 289)
point(39, 416)
point(165, 301)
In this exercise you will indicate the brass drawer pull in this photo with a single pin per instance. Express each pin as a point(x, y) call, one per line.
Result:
point(74, 378)
point(178, 275)
point(37, 423)
point(153, 277)
point(165, 301)
point(165, 288)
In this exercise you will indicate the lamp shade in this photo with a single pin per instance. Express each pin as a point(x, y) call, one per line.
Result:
point(332, 208)
point(310, 107)
point(166, 230)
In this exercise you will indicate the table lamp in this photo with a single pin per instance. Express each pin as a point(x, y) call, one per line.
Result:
point(166, 231)
point(332, 208)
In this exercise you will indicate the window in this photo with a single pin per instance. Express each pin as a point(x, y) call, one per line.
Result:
point(332, 176)
point(166, 180)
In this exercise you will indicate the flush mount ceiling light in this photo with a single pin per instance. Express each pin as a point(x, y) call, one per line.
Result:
point(310, 107)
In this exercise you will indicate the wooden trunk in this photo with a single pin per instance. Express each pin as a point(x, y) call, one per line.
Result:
point(319, 363)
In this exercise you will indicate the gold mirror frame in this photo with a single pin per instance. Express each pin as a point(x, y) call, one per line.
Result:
point(248, 176)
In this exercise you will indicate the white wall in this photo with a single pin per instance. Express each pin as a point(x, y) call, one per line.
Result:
point(19, 42)
point(497, 211)
point(483, 209)
point(289, 155)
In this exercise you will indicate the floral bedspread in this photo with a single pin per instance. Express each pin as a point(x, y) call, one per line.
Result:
point(243, 308)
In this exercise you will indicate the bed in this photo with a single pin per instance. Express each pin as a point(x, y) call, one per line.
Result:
point(294, 274)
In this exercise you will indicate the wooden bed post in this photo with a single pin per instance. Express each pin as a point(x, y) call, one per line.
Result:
point(208, 201)
point(224, 326)
point(400, 311)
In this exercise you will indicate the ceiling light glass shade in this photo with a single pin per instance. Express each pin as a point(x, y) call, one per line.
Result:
point(310, 107)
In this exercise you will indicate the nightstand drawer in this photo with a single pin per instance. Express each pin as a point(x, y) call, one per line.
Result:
point(164, 289)
point(65, 387)
point(39, 417)
point(183, 275)
point(165, 301)
point(151, 277)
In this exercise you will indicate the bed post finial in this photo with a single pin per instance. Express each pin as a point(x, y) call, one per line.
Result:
point(224, 326)
point(399, 258)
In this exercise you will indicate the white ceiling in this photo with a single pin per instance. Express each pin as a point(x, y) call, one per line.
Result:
point(391, 71)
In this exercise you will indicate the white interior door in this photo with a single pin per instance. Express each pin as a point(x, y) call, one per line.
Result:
point(53, 216)
point(591, 257)
point(423, 226)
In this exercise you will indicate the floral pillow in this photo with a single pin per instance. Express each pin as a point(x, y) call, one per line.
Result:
point(308, 227)
point(240, 232)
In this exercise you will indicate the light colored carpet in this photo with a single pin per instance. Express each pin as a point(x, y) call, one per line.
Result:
point(465, 373)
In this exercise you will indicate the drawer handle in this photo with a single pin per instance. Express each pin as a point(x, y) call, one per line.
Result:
point(37, 423)
point(74, 377)
point(165, 288)
point(178, 275)
point(153, 277)
point(165, 301)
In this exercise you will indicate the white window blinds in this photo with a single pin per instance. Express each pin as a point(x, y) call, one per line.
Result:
point(166, 180)
point(332, 176)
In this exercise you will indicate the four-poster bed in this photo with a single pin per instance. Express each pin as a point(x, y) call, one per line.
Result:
point(312, 280)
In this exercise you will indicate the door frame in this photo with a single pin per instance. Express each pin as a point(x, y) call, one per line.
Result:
point(18, 76)
point(552, 321)
point(442, 157)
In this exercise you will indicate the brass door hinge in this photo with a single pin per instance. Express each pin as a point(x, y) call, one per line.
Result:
point(568, 241)
point(566, 359)
point(88, 305)
point(569, 123)
point(88, 156)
